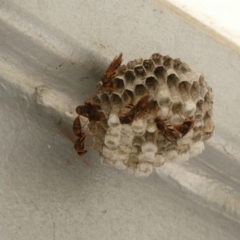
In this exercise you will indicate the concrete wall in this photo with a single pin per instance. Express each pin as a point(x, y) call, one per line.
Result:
point(92, 32)
point(52, 54)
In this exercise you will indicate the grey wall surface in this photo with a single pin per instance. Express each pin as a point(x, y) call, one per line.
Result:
point(52, 54)
point(89, 32)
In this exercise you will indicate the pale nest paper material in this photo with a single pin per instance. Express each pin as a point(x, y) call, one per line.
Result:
point(179, 94)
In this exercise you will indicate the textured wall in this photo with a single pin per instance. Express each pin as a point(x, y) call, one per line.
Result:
point(47, 193)
point(137, 29)
point(51, 56)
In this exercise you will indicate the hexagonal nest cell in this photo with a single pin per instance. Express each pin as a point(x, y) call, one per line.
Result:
point(149, 112)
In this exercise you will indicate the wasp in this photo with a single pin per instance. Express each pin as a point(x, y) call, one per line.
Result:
point(174, 132)
point(111, 71)
point(185, 127)
point(79, 144)
point(137, 111)
point(92, 111)
point(167, 131)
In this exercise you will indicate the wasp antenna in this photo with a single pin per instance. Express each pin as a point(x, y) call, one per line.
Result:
point(85, 161)
point(67, 133)
point(77, 156)
point(89, 145)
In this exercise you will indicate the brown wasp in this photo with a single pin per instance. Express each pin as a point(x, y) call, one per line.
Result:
point(79, 144)
point(137, 111)
point(111, 72)
point(92, 111)
point(167, 131)
point(185, 127)
point(173, 132)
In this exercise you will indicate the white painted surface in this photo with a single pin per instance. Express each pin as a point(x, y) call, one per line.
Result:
point(52, 53)
point(219, 16)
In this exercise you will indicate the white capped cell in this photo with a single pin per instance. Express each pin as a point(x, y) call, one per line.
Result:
point(120, 164)
point(164, 112)
point(113, 121)
point(143, 169)
point(189, 108)
point(196, 148)
point(149, 156)
point(139, 126)
point(151, 127)
point(158, 160)
point(170, 155)
point(198, 123)
point(108, 153)
point(146, 157)
point(112, 139)
point(149, 147)
point(142, 157)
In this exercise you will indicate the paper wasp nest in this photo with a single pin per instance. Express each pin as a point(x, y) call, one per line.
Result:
point(178, 96)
